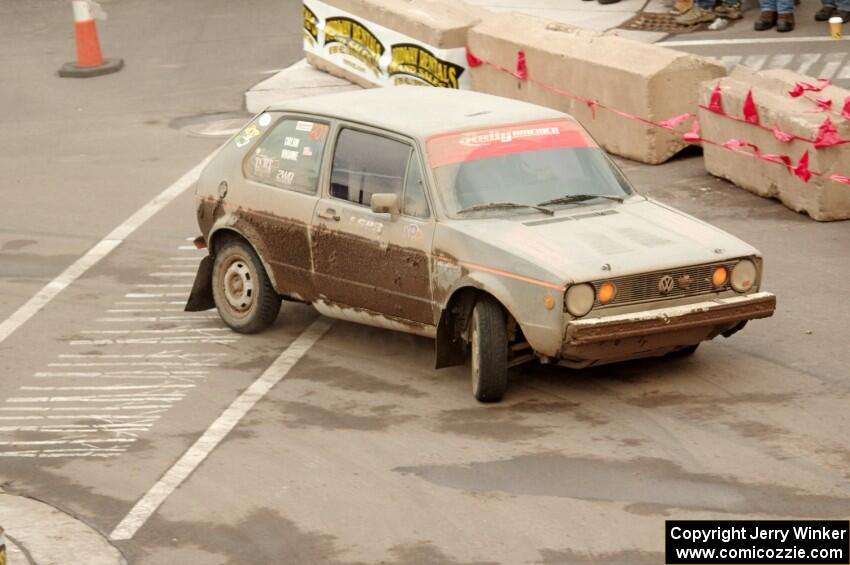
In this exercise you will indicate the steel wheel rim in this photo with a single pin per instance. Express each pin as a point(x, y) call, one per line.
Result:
point(238, 284)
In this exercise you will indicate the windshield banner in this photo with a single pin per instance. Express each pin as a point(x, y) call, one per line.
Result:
point(378, 54)
point(455, 147)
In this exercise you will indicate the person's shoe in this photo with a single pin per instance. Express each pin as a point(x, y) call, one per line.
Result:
point(825, 13)
point(729, 12)
point(766, 21)
point(607, 1)
point(694, 16)
point(681, 6)
point(844, 15)
point(785, 23)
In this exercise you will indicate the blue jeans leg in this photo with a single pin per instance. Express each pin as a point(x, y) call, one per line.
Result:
point(781, 6)
point(842, 5)
point(785, 6)
point(709, 4)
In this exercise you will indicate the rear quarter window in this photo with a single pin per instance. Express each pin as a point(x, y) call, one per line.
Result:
point(290, 156)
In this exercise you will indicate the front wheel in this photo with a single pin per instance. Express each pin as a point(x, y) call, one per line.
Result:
point(489, 345)
point(242, 291)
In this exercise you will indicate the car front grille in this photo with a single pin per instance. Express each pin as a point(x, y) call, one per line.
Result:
point(644, 287)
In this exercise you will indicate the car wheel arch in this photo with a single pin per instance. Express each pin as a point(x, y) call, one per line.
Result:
point(454, 319)
point(220, 234)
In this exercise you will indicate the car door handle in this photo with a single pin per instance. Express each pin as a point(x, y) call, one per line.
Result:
point(329, 214)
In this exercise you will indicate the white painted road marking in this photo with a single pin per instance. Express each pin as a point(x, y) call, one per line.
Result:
point(780, 61)
point(122, 408)
point(167, 354)
point(135, 364)
point(137, 319)
point(100, 250)
point(806, 61)
point(173, 340)
point(748, 41)
point(67, 441)
point(832, 62)
point(217, 431)
point(152, 295)
point(159, 331)
point(136, 302)
point(730, 61)
point(106, 387)
point(823, 65)
point(755, 61)
point(132, 310)
point(174, 274)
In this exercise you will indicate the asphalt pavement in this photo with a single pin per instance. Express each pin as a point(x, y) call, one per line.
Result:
point(361, 452)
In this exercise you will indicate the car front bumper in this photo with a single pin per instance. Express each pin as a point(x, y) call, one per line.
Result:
point(658, 331)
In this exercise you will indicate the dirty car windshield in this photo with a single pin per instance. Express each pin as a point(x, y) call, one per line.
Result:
point(524, 164)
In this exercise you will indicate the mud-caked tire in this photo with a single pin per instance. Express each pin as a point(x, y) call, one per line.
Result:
point(242, 291)
point(488, 345)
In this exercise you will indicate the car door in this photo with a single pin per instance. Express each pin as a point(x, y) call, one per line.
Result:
point(367, 260)
point(279, 195)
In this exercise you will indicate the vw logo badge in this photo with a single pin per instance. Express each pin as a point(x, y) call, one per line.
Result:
point(665, 285)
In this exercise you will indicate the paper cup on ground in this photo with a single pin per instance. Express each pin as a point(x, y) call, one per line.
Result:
point(835, 26)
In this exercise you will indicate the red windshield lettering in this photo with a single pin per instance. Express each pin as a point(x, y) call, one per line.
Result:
point(456, 147)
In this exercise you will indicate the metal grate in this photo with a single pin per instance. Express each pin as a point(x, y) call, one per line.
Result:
point(652, 21)
point(634, 289)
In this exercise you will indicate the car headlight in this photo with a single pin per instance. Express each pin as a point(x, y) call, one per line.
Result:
point(743, 275)
point(579, 299)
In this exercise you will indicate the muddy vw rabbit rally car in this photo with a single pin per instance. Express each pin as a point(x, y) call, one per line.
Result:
point(497, 227)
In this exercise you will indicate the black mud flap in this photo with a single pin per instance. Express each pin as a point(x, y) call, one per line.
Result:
point(201, 297)
point(449, 348)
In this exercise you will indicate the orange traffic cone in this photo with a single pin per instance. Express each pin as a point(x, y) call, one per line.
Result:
point(90, 61)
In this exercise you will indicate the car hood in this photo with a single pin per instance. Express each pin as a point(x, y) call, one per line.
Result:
point(608, 240)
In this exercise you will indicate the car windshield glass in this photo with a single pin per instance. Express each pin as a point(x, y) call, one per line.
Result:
point(533, 164)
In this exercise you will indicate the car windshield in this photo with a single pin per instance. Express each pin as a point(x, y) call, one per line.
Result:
point(517, 168)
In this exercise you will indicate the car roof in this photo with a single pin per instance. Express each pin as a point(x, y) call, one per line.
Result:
point(420, 110)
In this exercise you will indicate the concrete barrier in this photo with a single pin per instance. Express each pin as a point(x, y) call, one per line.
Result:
point(390, 42)
point(645, 81)
point(781, 174)
point(296, 81)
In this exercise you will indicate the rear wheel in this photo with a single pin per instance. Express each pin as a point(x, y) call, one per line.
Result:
point(242, 291)
point(488, 342)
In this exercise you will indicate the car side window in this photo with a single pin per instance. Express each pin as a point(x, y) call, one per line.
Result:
point(415, 202)
point(365, 164)
point(290, 156)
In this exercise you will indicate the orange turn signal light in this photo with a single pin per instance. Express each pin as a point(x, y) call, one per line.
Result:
point(606, 293)
point(719, 277)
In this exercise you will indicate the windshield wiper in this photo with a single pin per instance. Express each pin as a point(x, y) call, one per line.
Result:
point(570, 198)
point(493, 205)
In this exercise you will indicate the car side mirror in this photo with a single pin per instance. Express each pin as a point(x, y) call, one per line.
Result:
point(385, 203)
